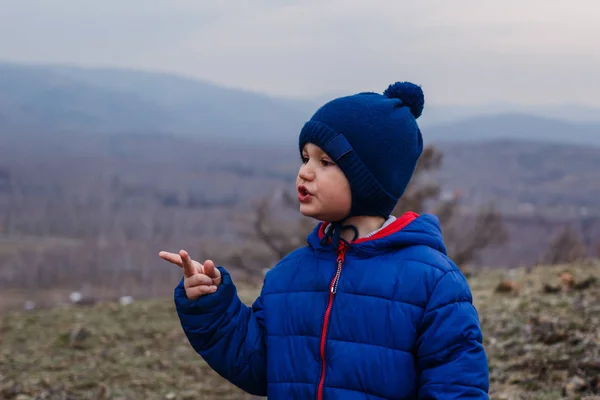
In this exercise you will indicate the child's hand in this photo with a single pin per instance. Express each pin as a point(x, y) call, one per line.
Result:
point(198, 279)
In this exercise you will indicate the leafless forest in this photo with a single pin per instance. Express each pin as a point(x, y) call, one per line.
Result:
point(86, 215)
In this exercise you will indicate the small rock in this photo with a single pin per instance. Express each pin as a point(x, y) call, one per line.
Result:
point(507, 287)
point(103, 392)
point(595, 384)
point(585, 284)
point(78, 336)
point(567, 280)
point(574, 386)
point(75, 297)
point(551, 289)
point(125, 300)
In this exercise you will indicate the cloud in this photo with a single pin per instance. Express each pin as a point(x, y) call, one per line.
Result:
point(462, 51)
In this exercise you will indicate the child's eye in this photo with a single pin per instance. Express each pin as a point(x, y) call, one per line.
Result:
point(326, 163)
point(304, 159)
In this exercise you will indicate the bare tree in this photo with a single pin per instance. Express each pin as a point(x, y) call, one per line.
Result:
point(465, 234)
point(423, 188)
point(275, 238)
point(566, 247)
point(271, 236)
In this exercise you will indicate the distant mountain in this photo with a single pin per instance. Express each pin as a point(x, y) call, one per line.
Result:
point(523, 176)
point(58, 98)
point(516, 127)
point(48, 99)
point(436, 114)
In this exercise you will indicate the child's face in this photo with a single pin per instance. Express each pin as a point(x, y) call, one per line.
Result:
point(323, 190)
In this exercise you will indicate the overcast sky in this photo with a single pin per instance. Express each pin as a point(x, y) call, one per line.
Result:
point(460, 51)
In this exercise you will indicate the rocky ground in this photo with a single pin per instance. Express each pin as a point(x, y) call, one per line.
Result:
point(541, 327)
point(542, 331)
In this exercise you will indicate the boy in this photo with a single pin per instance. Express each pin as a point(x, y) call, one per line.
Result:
point(372, 307)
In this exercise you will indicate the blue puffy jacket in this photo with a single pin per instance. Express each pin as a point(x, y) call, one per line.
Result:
point(388, 317)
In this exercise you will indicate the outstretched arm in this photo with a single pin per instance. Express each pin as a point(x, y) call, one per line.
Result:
point(452, 362)
point(226, 333)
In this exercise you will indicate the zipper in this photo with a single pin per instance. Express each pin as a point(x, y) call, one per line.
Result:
point(332, 291)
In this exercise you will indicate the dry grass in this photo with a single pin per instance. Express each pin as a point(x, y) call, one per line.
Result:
point(543, 341)
point(107, 351)
point(539, 345)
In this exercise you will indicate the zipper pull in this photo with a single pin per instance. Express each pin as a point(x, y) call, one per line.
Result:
point(336, 280)
point(340, 263)
point(342, 252)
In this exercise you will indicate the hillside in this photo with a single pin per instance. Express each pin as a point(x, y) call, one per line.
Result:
point(525, 175)
point(50, 99)
point(116, 165)
point(153, 191)
point(55, 99)
point(517, 126)
point(542, 343)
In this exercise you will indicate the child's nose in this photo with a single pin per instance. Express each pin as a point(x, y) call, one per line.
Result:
point(306, 173)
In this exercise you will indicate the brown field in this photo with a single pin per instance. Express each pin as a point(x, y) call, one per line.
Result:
point(541, 344)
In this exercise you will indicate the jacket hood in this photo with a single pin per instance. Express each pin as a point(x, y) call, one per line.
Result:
point(410, 229)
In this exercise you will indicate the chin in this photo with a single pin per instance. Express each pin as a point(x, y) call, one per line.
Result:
point(306, 211)
point(310, 212)
point(315, 214)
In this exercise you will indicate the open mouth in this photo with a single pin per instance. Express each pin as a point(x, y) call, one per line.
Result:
point(303, 193)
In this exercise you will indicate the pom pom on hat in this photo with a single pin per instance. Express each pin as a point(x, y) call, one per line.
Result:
point(410, 94)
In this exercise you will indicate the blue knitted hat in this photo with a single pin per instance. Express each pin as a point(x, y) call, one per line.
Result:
point(376, 142)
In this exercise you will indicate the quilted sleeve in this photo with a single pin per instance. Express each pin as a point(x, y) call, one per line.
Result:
point(227, 334)
point(451, 359)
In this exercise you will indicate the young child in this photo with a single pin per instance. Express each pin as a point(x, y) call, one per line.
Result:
point(372, 307)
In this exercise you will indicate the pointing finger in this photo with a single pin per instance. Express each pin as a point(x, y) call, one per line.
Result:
point(171, 257)
point(188, 267)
